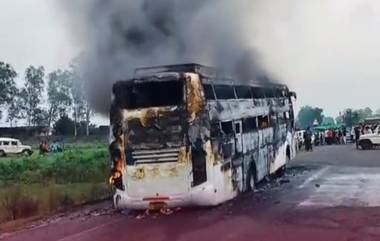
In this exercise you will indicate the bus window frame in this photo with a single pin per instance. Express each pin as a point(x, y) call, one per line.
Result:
point(247, 125)
point(261, 120)
point(224, 98)
point(247, 87)
point(231, 132)
point(212, 89)
point(259, 90)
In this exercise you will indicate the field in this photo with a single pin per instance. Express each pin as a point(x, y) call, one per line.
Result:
point(39, 185)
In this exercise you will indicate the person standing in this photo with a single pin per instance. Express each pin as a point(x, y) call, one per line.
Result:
point(352, 134)
point(344, 132)
point(308, 140)
point(357, 136)
point(340, 137)
point(329, 137)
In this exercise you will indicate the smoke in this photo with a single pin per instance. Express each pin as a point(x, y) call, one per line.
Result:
point(120, 35)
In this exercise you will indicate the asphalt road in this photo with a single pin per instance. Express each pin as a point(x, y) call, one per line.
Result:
point(332, 194)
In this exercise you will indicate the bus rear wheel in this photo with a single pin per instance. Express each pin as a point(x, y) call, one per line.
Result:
point(251, 180)
point(281, 171)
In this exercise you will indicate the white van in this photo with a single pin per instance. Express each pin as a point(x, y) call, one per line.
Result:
point(13, 146)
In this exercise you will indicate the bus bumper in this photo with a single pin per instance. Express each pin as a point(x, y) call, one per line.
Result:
point(203, 195)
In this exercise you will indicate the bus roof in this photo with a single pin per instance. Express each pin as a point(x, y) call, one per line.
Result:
point(210, 75)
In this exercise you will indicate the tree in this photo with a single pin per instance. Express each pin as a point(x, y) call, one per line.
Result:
point(15, 110)
point(8, 87)
point(328, 121)
point(351, 117)
point(364, 113)
point(367, 112)
point(32, 93)
point(40, 117)
point(307, 115)
point(64, 126)
point(59, 94)
point(82, 110)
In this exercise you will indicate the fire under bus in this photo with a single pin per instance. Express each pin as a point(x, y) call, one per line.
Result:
point(185, 135)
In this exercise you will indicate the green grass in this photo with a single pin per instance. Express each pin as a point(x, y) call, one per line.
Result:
point(22, 201)
point(82, 164)
point(41, 184)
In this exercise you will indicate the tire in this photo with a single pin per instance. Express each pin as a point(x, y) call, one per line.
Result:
point(366, 144)
point(251, 179)
point(27, 152)
point(281, 172)
point(2, 153)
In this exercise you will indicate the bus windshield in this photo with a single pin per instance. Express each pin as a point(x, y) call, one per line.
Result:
point(154, 94)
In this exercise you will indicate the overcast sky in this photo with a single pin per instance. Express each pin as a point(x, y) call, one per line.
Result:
point(326, 50)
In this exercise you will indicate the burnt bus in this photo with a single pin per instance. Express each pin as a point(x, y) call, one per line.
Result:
point(188, 135)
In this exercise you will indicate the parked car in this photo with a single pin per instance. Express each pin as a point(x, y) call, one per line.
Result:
point(13, 146)
point(369, 141)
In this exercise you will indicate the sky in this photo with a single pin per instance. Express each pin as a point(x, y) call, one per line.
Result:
point(327, 51)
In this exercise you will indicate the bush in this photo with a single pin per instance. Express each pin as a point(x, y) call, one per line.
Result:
point(64, 126)
point(75, 165)
point(19, 205)
point(66, 202)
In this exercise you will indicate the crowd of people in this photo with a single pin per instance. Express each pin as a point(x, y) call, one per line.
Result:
point(331, 137)
point(54, 147)
point(325, 137)
point(337, 136)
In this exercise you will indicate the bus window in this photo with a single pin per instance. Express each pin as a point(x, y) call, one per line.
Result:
point(150, 94)
point(209, 92)
point(249, 125)
point(237, 128)
point(227, 128)
point(278, 93)
point(269, 92)
point(243, 92)
point(281, 118)
point(257, 92)
point(224, 92)
point(215, 130)
point(263, 122)
point(283, 93)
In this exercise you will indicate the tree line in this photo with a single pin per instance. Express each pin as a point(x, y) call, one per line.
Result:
point(348, 117)
point(44, 99)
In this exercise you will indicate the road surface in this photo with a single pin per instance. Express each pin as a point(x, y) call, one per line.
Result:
point(332, 194)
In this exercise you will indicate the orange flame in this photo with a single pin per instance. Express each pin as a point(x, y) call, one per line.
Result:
point(119, 169)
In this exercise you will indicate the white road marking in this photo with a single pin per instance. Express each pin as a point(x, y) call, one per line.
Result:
point(348, 187)
point(76, 235)
point(314, 177)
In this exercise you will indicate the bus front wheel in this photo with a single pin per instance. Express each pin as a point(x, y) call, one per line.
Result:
point(251, 179)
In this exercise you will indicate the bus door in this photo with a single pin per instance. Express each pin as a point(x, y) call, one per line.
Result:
point(198, 163)
point(238, 127)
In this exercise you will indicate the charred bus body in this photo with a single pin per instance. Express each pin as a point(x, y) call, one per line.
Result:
point(185, 135)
